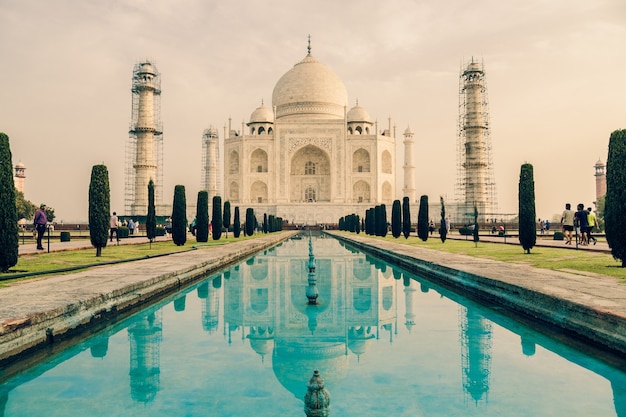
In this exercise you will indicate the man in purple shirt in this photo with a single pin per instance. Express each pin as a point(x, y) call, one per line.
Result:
point(40, 221)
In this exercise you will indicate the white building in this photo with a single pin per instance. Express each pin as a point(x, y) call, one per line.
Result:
point(307, 158)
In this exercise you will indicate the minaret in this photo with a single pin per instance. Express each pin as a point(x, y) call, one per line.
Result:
point(210, 156)
point(409, 167)
point(20, 176)
point(144, 151)
point(600, 179)
point(476, 185)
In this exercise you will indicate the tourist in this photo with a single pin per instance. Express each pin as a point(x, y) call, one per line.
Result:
point(40, 221)
point(592, 222)
point(581, 224)
point(113, 225)
point(567, 223)
point(131, 226)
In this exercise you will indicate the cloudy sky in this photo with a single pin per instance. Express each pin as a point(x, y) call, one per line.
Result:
point(555, 75)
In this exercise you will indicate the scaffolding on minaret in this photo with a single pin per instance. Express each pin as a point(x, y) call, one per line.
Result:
point(476, 185)
point(144, 147)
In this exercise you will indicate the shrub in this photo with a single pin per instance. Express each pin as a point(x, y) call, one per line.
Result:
point(64, 236)
point(558, 236)
point(123, 232)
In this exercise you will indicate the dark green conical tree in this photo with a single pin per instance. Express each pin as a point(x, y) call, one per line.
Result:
point(9, 235)
point(443, 230)
point(202, 217)
point(216, 221)
point(265, 225)
point(475, 234)
point(383, 218)
point(526, 202)
point(615, 201)
point(179, 216)
point(396, 219)
point(151, 217)
point(226, 217)
point(422, 219)
point(99, 207)
point(406, 217)
point(236, 223)
point(357, 224)
point(250, 221)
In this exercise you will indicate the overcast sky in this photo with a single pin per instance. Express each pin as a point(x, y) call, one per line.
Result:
point(556, 79)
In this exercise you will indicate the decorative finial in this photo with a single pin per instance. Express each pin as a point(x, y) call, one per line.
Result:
point(309, 47)
point(262, 101)
point(317, 398)
point(357, 101)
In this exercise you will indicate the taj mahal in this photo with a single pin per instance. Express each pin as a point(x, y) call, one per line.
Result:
point(308, 158)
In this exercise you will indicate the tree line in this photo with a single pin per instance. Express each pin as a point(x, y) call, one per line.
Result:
point(13, 206)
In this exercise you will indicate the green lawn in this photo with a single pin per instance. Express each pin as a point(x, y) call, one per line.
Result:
point(581, 261)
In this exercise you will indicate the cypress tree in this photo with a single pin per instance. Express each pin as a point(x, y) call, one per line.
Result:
point(443, 230)
point(9, 235)
point(216, 222)
point(383, 219)
point(422, 219)
point(226, 217)
point(357, 224)
point(526, 202)
point(475, 230)
point(99, 207)
point(151, 217)
point(236, 223)
point(406, 217)
point(202, 217)
point(179, 216)
point(396, 219)
point(615, 201)
point(250, 221)
point(265, 225)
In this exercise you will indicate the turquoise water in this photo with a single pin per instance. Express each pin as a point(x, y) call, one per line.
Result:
point(388, 343)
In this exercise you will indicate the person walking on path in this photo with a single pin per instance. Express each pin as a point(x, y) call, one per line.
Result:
point(591, 223)
point(567, 223)
point(113, 224)
point(581, 223)
point(40, 221)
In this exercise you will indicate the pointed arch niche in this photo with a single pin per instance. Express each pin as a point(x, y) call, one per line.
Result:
point(309, 178)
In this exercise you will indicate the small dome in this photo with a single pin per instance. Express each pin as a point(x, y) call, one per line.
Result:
point(211, 132)
point(358, 114)
point(262, 114)
point(146, 68)
point(408, 131)
point(599, 163)
point(20, 165)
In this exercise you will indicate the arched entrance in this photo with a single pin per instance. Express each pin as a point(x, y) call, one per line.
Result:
point(309, 179)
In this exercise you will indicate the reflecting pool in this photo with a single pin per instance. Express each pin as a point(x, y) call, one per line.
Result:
point(387, 343)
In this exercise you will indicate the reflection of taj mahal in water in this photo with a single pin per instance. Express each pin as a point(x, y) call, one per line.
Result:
point(257, 311)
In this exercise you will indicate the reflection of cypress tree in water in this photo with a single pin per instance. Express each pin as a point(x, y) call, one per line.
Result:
point(179, 303)
point(145, 346)
point(4, 398)
point(528, 345)
point(619, 397)
point(475, 353)
point(100, 347)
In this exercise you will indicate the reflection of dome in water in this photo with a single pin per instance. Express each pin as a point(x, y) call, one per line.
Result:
point(359, 339)
point(294, 360)
point(261, 340)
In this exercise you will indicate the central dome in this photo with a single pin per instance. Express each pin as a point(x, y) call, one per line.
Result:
point(310, 89)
